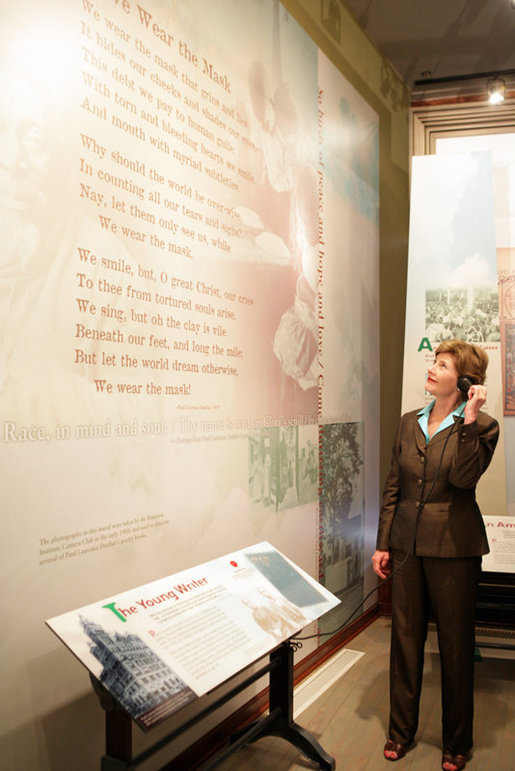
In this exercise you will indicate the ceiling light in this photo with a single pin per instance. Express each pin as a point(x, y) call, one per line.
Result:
point(496, 88)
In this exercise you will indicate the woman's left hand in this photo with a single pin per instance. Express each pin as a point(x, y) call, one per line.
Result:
point(476, 398)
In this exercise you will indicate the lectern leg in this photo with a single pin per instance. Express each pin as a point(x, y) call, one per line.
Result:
point(118, 755)
point(118, 742)
point(280, 722)
point(281, 695)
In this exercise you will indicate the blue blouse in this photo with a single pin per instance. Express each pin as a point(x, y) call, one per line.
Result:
point(423, 418)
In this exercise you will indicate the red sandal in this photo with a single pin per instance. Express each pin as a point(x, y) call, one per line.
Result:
point(452, 762)
point(393, 751)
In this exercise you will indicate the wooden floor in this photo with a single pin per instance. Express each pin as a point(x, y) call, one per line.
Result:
point(349, 719)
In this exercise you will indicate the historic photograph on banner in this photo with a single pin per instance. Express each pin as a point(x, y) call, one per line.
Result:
point(283, 467)
point(341, 517)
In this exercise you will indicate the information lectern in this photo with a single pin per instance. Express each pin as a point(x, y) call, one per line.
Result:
point(154, 649)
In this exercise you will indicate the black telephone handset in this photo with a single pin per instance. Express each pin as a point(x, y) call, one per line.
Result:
point(464, 384)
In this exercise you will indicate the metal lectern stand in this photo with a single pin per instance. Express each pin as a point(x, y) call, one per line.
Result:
point(278, 722)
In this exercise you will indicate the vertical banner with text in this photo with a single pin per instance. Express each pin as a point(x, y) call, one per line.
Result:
point(453, 292)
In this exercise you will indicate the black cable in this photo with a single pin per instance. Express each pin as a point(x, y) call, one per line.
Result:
point(296, 642)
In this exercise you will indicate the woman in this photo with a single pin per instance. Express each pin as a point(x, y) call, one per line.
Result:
point(431, 532)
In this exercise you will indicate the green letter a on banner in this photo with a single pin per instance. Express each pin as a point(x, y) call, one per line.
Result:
point(424, 343)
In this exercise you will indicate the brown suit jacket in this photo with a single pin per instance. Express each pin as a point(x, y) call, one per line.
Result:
point(450, 524)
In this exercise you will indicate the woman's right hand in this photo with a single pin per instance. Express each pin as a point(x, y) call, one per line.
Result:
point(381, 563)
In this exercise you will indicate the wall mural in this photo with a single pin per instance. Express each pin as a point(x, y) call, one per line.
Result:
point(189, 294)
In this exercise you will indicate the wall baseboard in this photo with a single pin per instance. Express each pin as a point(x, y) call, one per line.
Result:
point(313, 686)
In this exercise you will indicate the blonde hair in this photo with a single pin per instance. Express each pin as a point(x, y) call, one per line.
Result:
point(471, 360)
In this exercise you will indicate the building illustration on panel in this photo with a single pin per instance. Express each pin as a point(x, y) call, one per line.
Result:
point(136, 676)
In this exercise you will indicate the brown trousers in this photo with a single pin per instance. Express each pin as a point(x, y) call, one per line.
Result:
point(448, 587)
